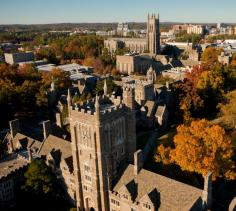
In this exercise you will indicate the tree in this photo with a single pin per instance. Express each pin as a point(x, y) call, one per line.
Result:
point(60, 78)
point(228, 110)
point(210, 55)
point(202, 148)
point(233, 62)
point(111, 87)
point(190, 102)
point(39, 178)
point(163, 80)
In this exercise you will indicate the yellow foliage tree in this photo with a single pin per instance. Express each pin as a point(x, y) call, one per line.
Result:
point(60, 78)
point(228, 110)
point(210, 55)
point(202, 148)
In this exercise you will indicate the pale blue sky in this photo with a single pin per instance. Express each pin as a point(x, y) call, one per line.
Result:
point(77, 11)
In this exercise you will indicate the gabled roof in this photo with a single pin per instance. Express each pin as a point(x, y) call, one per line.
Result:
point(152, 197)
point(129, 189)
point(22, 141)
point(173, 195)
point(59, 149)
point(53, 143)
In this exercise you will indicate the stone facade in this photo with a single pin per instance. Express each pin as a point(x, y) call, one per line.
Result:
point(144, 88)
point(139, 45)
point(133, 63)
point(153, 34)
point(133, 44)
point(15, 58)
point(196, 29)
point(57, 153)
point(103, 139)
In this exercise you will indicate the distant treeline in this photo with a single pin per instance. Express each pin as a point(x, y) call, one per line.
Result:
point(71, 26)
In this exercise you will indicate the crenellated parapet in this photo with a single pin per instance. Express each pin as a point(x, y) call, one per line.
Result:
point(106, 111)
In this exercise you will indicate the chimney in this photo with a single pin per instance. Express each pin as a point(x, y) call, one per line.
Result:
point(30, 155)
point(207, 192)
point(167, 85)
point(138, 161)
point(14, 127)
point(58, 120)
point(46, 129)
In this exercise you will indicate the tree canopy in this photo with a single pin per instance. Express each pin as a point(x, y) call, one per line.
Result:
point(201, 147)
point(39, 178)
point(228, 110)
point(210, 55)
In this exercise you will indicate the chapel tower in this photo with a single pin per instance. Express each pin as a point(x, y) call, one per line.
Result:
point(153, 34)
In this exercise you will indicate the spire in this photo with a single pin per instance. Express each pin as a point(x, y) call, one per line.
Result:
point(158, 16)
point(105, 87)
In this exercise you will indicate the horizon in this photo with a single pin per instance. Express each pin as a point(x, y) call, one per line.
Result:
point(115, 22)
point(77, 11)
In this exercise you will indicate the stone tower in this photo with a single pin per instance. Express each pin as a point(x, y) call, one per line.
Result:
point(153, 34)
point(103, 139)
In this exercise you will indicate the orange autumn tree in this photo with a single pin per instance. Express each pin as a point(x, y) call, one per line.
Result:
point(201, 147)
point(210, 55)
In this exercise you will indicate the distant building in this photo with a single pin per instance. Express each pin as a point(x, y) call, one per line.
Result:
point(122, 29)
point(140, 45)
point(232, 30)
point(196, 29)
point(153, 34)
point(102, 33)
point(132, 63)
point(225, 58)
point(15, 58)
point(182, 27)
point(178, 73)
point(133, 44)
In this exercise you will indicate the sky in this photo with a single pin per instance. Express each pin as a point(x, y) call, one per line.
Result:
point(80, 11)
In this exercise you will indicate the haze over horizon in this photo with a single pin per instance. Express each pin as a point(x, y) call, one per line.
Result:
point(107, 11)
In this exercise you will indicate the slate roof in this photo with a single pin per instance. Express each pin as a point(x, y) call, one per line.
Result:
point(173, 195)
point(59, 149)
point(25, 142)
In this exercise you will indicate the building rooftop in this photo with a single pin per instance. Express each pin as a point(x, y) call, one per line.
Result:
point(174, 195)
point(21, 141)
point(59, 149)
point(11, 164)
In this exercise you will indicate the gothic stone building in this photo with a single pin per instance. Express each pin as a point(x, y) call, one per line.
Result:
point(140, 45)
point(103, 140)
point(103, 148)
